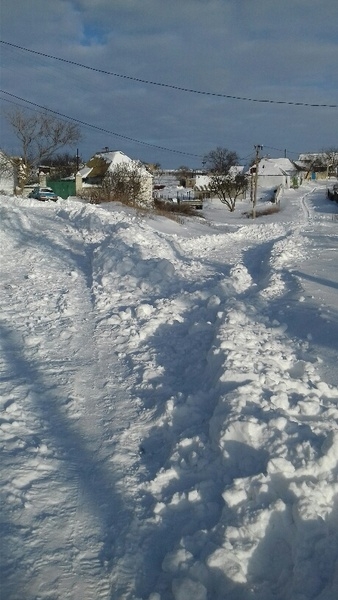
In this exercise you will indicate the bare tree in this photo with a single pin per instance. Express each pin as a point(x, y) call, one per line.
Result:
point(126, 183)
point(330, 160)
point(154, 168)
point(123, 184)
point(226, 182)
point(63, 165)
point(220, 161)
point(41, 135)
point(228, 187)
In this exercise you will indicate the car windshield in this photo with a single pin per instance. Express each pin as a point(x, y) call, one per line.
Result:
point(46, 190)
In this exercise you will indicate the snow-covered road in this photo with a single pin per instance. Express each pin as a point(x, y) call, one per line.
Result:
point(169, 403)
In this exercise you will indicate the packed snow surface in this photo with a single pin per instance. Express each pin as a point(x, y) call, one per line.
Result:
point(169, 402)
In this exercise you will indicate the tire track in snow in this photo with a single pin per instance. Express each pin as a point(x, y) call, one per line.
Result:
point(58, 396)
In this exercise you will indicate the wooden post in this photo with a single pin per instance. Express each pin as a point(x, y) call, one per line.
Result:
point(42, 179)
point(78, 183)
point(258, 148)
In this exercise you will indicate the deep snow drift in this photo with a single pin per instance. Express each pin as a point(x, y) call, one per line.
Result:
point(169, 402)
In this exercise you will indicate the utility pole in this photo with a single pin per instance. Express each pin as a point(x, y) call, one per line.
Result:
point(257, 148)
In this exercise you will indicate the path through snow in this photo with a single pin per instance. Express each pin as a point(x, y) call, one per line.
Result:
point(169, 404)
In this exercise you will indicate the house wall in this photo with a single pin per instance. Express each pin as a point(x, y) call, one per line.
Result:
point(8, 175)
point(7, 185)
point(202, 183)
point(147, 190)
point(272, 181)
point(273, 172)
point(316, 175)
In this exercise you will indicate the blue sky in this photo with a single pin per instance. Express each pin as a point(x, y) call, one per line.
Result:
point(258, 49)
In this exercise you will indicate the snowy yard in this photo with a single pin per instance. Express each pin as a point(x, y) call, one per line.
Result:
point(169, 402)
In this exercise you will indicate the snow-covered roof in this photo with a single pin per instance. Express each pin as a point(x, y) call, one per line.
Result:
point(319, 159)
point(276, 166)
point(103, 162)
point(114, 158)
point(84, 172)
point(311, 156)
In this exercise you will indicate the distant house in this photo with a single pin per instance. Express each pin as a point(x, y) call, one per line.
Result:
point(275, 172)
point(202, 181)
point(318, 165)
point(102, 165)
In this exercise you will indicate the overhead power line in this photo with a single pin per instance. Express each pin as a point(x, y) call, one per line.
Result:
point(169, 86)
point(119, 135)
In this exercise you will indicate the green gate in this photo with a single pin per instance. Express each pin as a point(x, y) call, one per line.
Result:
point(63, 188)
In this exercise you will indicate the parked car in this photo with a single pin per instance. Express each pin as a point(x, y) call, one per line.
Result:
point(43, 194)
point(332, 193)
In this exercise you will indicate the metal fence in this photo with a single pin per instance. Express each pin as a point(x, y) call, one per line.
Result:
point(62, 188)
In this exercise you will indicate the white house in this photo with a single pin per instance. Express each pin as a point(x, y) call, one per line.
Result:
point(103, 164)
point(273, 172)
point(320, 165)
point(8, 174)
point(203, 181)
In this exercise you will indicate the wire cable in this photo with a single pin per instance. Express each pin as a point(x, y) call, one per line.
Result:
point(167, 85)
point(119, 135)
